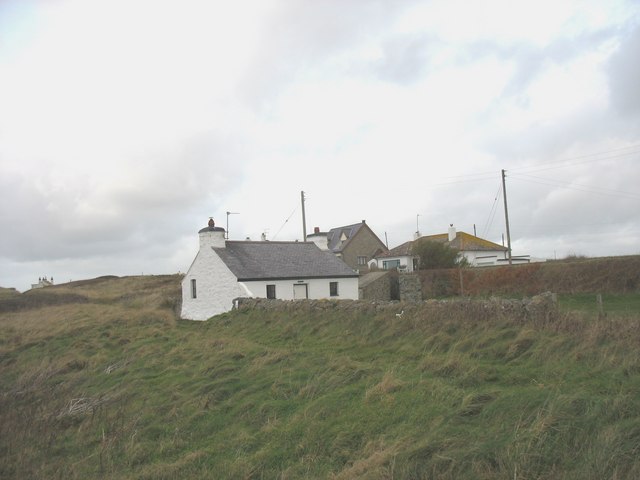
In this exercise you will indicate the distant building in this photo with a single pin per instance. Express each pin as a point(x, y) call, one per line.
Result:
point(477, 251)
point(42, 282)
point(224, 270)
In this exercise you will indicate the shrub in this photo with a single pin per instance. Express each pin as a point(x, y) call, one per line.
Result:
point(437, 255)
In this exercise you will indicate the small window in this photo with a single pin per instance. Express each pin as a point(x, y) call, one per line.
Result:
point(193, 288)
point(271, 291)
point(362, 260)
point(333, 289)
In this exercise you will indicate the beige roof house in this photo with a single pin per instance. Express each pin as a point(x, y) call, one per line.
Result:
point(479, 252)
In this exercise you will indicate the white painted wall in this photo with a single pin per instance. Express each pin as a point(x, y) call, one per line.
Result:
point(320, 240)
point(317, 288)
point(216, 287)
point(484, 258)
point(475, 259)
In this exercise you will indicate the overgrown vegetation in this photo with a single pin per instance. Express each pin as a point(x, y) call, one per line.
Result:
point(434, 254)
point(615, 276)
point(116, 387)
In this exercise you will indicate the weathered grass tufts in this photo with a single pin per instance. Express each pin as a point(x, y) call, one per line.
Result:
point(115, 386)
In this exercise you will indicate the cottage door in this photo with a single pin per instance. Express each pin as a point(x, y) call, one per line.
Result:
point(300, 291)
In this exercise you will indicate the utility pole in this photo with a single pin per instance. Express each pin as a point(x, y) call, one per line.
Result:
point(229, 213)
point(304, 219)
point(506, 215)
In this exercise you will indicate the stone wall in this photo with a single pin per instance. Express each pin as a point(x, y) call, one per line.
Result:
point(410, 288)
point(541, 308)
point(375, 286)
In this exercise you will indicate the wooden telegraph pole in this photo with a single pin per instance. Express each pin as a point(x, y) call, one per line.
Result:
point(304, 220)
point(506, 216)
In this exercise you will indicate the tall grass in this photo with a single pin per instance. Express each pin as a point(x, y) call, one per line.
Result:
point(117, 387)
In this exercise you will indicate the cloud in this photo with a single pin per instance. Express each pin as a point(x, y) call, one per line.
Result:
point(302, 40)
point(147, 199)
point(115, 148)
point(624, 74)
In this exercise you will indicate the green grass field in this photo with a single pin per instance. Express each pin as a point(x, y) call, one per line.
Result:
point(616, 304)
point(116, 387)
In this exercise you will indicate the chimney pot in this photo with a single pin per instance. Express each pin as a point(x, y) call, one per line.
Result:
point(452, 232)
point(316, 229)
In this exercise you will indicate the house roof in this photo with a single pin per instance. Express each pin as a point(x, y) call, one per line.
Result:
point(338, 238)
point(463, 242)
point(281, 260)
point(399, 251)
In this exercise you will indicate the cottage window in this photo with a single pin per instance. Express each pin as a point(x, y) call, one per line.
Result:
point(333, 289)
point(271, 291)
point(362, 260)
point(193, 288)
point(389, 264)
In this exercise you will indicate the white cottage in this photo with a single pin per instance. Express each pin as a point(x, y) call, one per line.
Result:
point(224, 270)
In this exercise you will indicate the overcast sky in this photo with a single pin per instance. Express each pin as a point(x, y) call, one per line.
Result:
point(126, 124)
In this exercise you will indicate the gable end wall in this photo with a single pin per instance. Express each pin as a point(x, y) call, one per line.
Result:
point(363, 243)
point(215, 284)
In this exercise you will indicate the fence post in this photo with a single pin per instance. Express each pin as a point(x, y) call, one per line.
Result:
point(600, 306)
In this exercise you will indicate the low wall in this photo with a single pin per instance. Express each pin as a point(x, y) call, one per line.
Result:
point(378, 288)
point(540, 308)
point(410, 288)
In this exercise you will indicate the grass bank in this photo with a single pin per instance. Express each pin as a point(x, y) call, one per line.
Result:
point(114, 386)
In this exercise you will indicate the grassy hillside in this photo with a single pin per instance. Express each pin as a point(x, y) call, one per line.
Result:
point(99, 379)
point(607, 275)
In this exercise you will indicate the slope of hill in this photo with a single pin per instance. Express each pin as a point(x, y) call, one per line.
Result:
point(113, 385)
point(607, 275)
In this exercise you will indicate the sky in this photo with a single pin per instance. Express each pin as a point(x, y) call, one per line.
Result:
point(125, 125)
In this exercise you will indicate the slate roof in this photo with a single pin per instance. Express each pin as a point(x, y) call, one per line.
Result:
point(334, 235)
point(249, 260)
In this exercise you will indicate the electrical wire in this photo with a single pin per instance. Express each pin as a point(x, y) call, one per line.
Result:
point(573, 186)
point(285, 222)
point(492, 213)
point(631, 150)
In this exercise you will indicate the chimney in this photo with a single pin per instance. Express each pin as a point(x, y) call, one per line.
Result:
point(316, 230)
point(452, 232)
point(212, 236)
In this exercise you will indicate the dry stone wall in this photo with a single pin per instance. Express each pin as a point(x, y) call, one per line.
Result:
point(410, 288)
point(541, 308)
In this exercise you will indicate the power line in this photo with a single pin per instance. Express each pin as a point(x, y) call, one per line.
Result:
point(464, 181)
point(285, 222)
point(569, 162)
point(492, 213)
point(631, 150)
point(574, 186)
